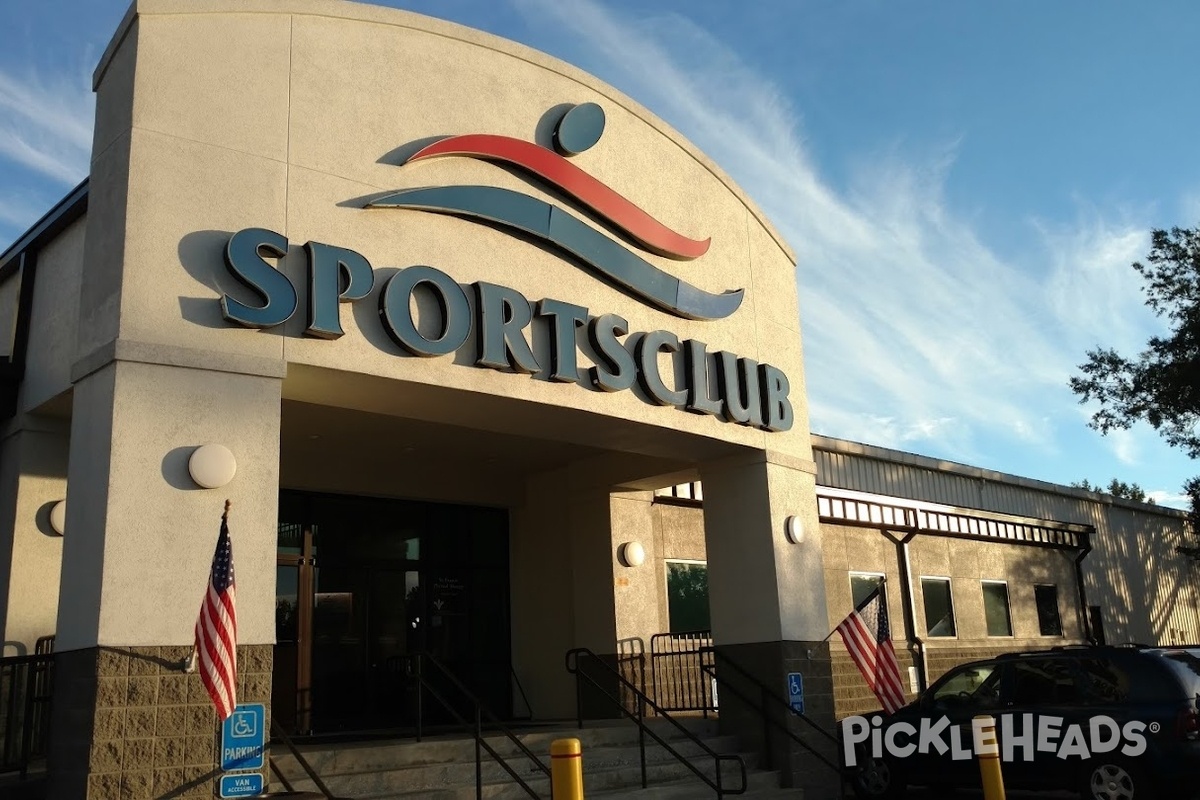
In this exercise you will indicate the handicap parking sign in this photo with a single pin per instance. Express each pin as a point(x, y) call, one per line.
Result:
point(795, 683)
point(243, 738)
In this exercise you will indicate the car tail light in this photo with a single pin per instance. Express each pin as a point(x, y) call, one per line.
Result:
point(1189, 724)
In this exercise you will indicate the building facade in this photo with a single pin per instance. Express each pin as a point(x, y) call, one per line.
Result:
point(443, 318)
point(975, 563)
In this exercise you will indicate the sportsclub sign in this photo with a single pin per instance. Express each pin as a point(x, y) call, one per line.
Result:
point(747, 393)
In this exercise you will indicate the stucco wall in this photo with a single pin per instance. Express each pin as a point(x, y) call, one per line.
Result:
point(342, 92)
point(35, 474)
point(51, 350)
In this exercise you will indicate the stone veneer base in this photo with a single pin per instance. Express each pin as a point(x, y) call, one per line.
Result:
point(128, 724)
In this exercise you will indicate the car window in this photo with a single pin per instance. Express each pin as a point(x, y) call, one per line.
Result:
point(975, 686)
point(1042, 682)
point(1186, 666)
point(1104, 681)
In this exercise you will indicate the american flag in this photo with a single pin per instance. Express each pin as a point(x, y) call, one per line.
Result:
point(869, 640)
point(216, 629)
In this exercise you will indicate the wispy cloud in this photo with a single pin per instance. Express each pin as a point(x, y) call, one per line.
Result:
point(916, 331)
point(15, 213)
point(45, 133)
point(49, 122)
point(1171, 499)
point(1124, 446)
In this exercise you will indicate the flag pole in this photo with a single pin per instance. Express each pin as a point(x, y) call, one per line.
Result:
point(188, 664)
point(882, 581)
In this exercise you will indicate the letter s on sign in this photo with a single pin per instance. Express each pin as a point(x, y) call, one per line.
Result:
point(1137, 740)
point(244, 259)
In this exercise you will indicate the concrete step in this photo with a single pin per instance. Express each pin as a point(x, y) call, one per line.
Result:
point(444, 768)
point(345, 758)
point(695, 790)
point(606, 782)
point(607, 766)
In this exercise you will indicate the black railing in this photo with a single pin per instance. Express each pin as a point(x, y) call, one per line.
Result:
point(528, 715)
point(477, 718)
point(771, 707)
point(277, 732)
point(631, 663)
point(26, 687)
point(677, 663)
point(716, 783)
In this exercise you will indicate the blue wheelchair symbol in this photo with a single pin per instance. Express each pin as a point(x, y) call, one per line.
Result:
point(794, 684)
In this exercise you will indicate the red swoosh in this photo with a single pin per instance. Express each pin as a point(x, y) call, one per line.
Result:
point(557, 171)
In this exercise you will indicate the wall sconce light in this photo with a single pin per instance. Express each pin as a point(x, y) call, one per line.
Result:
point(632, 554)
point(793, 528)
point(58, 517)
point(212, 466)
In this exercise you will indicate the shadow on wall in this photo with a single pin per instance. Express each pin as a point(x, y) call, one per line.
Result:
point(8, 649)
point(1168, 581)
point(175, 468)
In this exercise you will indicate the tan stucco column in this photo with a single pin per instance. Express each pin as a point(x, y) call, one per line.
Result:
point(127, 722)
point(767, 601)
point(562, 587)
point(33, 474)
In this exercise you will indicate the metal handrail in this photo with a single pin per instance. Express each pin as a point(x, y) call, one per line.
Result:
point(481, 711)
point(765, 694)
point(639, 719)
point(277, 731)
point(521, 689)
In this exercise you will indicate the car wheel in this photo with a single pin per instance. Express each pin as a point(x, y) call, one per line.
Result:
point(877, 779)
point(1111, 779)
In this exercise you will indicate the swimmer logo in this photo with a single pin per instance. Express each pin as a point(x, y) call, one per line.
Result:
point(579, 129)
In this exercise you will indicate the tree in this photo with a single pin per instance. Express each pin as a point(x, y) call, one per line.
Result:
point(1162, 385)
point(1117, 488)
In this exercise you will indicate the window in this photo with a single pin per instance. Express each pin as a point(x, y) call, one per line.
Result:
point(995, 608)
point(682, 491)
point(976, 686)
point(1096, 623)
point(861, 586)
point(1046, 599)
point(939, 607)
point(1104, 681)
point(687, 596)
point(1049, 682)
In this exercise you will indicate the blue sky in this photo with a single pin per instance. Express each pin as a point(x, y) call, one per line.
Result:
point(965, 185)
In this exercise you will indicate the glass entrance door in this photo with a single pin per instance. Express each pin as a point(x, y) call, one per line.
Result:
point(362, 584)
point(362, 630)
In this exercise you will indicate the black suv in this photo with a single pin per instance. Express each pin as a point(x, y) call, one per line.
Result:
point(1114, 723)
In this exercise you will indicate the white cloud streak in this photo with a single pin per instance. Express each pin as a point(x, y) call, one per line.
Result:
point(916, 332)
point(49, 124)
point(45, 130)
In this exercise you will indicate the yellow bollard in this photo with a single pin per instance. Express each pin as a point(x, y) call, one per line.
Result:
point(566, 769)
point(983, 729)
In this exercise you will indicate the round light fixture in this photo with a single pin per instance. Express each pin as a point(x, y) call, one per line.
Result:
point(794, 530)
point(58, 517)
point(632, 554)
point(212, 466)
